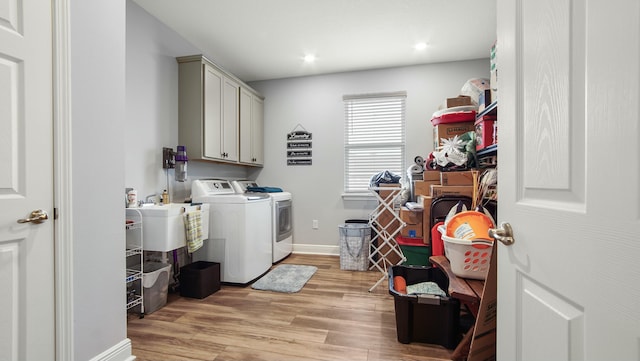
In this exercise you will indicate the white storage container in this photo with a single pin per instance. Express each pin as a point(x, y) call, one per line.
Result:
point(155, 280)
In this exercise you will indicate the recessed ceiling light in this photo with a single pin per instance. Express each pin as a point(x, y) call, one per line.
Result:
point(309, 58)
point(420, 46)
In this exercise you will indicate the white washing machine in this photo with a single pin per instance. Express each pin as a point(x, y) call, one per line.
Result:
point(281, 222)
point(239, 230)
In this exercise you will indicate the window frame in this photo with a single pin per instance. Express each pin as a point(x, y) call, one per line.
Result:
point(366, 102)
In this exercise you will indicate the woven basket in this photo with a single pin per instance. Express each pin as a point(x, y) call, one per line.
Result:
point(354, 246)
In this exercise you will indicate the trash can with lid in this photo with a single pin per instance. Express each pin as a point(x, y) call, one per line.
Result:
point(354, 246)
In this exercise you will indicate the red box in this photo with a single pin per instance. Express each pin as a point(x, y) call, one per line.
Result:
point(484, 132)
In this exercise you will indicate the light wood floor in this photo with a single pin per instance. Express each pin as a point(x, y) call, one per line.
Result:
point(334, 317)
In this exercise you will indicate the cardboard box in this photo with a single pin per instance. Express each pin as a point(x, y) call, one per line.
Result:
point(461, 178)
point(450, 130)
point(385, 193)
point(440, 190)
point(426, 218)
point(431, 175)
point(423, 188)
point(387, 222)
point(483, 343)
point(410, 217)
point(412, 230)
point(459, 101)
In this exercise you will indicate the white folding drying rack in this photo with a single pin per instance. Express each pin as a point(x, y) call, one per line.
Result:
point(386, 244)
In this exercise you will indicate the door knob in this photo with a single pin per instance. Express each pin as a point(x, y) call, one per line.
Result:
point(37, 216)
point(503, 234)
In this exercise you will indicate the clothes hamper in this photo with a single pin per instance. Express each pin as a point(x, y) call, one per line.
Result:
point(354, 246)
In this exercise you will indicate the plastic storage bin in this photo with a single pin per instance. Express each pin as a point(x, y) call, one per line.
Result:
point(354, 246)
point(199, 279)
point(415, 251)
point(425, 318)
point(155, 280)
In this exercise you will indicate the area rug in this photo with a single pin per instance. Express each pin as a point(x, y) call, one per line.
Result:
point(287, 278)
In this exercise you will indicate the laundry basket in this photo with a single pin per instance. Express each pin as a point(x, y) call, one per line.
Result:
point(155, 280)
point(468, 259)
point(354, 246)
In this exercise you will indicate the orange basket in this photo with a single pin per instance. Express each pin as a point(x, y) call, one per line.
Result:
point(469, 225)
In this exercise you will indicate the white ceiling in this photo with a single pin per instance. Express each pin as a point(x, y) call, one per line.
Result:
point(267, 39)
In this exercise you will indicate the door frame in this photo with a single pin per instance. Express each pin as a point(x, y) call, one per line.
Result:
point(62, 181)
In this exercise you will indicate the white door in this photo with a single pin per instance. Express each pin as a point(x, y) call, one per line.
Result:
point(568, 84)
point(26, 181)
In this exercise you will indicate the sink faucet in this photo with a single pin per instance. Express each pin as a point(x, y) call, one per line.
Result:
point(150, 199)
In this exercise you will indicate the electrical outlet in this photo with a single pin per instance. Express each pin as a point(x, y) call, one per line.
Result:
point(315, 224)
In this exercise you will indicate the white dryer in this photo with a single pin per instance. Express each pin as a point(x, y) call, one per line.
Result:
point(281, 219)
point(239, 230)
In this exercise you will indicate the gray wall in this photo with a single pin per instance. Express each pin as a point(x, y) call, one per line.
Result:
point(313, 102)
point(316, 104)
point(152, 109)
point(97, 55)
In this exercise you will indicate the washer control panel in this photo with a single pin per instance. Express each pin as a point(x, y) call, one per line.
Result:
point(211, 187)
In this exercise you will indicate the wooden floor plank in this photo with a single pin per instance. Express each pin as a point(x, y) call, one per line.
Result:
point(333, 317)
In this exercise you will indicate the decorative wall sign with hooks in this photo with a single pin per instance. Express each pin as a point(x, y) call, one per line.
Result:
point(299, 146)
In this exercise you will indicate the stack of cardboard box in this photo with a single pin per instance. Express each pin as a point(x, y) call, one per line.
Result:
point(387, 222)
point(447, 130)
point(436, 184)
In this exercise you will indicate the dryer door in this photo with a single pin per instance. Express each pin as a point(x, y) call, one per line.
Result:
point(283, 220)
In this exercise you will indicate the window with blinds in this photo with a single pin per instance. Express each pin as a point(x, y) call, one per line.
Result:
point(374, 138)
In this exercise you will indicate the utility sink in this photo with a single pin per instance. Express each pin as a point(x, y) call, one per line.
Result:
point(163, 225)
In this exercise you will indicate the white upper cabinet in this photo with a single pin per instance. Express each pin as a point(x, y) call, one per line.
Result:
point(251, 128)
point(209, 112)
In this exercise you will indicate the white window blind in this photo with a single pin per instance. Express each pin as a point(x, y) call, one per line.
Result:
point(374, 137)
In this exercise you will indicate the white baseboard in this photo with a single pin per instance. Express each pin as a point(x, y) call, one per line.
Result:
point(119, 352)
point(316, 249)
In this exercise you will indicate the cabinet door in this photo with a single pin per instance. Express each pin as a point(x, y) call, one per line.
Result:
point(230, 110)
point(257, 136)
point(251, 128)
point(212, 125)
point(245, 126)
